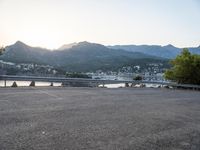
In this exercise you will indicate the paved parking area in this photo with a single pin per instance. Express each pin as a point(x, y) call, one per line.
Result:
point(56, 118)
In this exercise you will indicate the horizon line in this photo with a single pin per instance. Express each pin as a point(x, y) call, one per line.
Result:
point(106, 45)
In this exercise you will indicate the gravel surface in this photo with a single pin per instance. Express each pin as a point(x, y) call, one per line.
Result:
point(56, 118)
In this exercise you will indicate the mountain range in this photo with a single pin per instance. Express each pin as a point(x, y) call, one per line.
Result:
point(85, 56)
point(168, 51)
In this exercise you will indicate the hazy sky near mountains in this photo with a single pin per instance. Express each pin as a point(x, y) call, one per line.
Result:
point(51, 23)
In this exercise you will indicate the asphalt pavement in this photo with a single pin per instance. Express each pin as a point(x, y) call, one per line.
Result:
point(64, 118)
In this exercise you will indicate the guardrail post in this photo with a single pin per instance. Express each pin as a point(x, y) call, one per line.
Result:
point(4, 83)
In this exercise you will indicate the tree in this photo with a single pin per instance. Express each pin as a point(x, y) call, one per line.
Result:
point(2, 49)
point(185, 68)
point(137, 78)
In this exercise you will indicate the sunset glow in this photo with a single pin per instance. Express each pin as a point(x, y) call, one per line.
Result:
point(51, 23)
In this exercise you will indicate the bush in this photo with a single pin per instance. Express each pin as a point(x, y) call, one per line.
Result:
point(137, 78)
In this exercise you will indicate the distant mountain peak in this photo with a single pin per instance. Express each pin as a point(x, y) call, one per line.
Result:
point(71, 45)
point(84, 43)
point(170, 46)
point(67, 46)
point(18, 42)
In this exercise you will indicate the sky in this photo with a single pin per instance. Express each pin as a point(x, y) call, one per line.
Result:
point(52, 23)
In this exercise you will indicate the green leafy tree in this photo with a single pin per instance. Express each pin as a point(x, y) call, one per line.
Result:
point(185, 68)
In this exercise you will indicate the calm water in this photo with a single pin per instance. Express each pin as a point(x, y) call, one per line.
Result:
point(27, 83)
point(113, 85)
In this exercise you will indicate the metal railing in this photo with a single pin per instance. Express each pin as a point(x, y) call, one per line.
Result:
point(95, 81)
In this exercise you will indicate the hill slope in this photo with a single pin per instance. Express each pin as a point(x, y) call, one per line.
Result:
point(168, 51)
point(82, 56)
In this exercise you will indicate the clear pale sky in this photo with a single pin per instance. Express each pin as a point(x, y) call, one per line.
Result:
point(52, 23)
